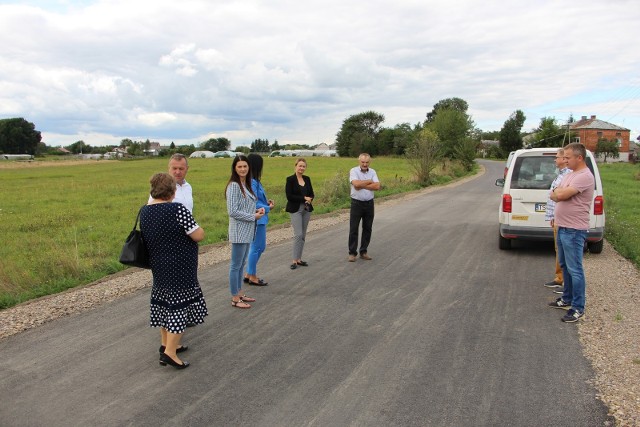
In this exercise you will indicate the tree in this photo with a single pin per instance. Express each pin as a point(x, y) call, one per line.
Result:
point(18, 136)
point(466, 151)
point(510, 136)
point(424, 154)
point(457, 104)
point(548, 134)
point(216, 144)
point(607, 147)
point(453, 127)
point(78, 147)
point(359, 134)
point(260, 146)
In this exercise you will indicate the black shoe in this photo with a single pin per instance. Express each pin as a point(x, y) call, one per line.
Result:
point(246, 280)
point(572, 316)
point(260, 282)
point(180, 349)
point(553, 284)
point(560, 304)
point(293, 266)
point(302, 263)
point(166, 360)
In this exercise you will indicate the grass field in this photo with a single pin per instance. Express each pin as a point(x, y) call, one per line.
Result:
point(621, 183)
point(63, 223)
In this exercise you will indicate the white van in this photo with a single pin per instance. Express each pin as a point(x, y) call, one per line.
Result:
point(524, 199)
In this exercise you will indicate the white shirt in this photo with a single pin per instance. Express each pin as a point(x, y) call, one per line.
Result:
point(356, 174)
point(184, 195)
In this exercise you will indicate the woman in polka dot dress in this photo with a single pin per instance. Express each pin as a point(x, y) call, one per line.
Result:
point(171, 235)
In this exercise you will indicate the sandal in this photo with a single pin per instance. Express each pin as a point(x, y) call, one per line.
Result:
point(245, 298)
point(293, 266)
point(302, 263)
point(240, 304)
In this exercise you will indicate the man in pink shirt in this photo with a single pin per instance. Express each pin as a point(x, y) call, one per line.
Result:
point(573, 196)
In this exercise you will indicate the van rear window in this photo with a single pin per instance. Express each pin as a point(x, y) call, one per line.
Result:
point(533, 172)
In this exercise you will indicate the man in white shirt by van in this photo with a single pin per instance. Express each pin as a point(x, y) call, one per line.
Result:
point(561, 165)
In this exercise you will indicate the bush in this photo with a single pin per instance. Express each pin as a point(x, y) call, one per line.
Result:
point(336, 189)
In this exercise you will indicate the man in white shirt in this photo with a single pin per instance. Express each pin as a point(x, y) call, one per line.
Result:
point(364, 181)
point(178, 168)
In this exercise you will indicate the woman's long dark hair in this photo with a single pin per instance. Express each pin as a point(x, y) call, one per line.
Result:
point(255, 166)
point(236, 178)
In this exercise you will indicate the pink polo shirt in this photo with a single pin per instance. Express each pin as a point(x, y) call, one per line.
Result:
point(574, 212)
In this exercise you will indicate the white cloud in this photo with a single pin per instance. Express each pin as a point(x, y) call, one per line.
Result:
point(293, 71)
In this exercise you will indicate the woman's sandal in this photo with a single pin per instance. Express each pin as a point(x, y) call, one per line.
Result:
point(240, 304)
point(245, 298)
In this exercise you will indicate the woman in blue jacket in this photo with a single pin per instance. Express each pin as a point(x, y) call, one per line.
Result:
point(259, 243)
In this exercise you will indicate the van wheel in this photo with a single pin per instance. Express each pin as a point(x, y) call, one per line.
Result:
point(595, 247)
point(504, 244)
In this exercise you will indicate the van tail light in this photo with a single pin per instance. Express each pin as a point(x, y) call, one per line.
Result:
point(506, 203)
point(598, 205)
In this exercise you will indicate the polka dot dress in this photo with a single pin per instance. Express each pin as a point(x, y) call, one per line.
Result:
point(176, 297)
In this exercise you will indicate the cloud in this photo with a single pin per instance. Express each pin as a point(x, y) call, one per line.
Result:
point(293, 71)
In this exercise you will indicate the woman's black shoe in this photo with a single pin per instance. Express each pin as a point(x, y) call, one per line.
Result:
point(166, 360)
point(302, 263)
point(178, 350)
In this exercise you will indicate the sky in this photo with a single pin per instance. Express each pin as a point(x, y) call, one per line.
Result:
point(293, 71)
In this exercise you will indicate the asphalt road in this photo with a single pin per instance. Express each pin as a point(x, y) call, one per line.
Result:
point(440, 329)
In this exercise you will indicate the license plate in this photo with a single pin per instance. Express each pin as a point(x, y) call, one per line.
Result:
point(541, 207)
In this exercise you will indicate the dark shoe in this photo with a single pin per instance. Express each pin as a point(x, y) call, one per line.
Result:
point(560, 304)
point(553, 284)
point(293, 266)
point(180, 349)
point(246, 280)
point(166, 360)
point(190, 325)
point(365, 256)
point(303, 263)
point(572, 316)
point(352, 258)
point(260, 282)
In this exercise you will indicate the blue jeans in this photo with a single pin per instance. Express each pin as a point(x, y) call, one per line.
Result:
point(257, 247)
point(239, 252)
point(570, 250)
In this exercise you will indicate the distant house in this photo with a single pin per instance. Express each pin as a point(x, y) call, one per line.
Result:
point(63, 150)
point(322, 147)
point(589, 131)
point(154, 149)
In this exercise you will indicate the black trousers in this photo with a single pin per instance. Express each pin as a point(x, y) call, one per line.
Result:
point(360, 211)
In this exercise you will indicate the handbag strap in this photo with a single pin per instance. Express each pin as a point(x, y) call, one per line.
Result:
point(138, 218)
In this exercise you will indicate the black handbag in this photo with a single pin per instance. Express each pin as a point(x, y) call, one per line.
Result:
point(134, 252)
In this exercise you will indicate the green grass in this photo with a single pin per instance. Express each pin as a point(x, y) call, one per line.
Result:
point(63, 224)
point(621, 185)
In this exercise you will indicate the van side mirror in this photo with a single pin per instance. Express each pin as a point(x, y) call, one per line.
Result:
point(500, 182)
